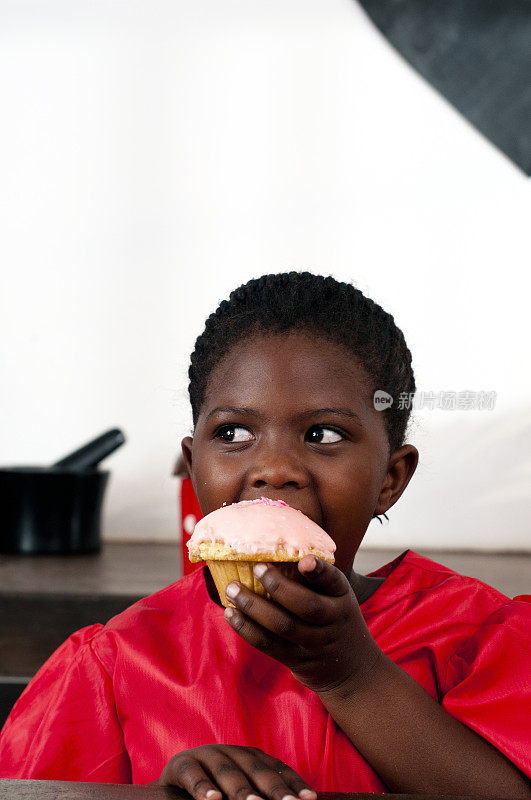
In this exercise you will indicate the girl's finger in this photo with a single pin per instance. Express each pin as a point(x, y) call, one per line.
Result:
point(299, 786)
point(324, 576)
point(233, 774)
point(186, 772)
point(260, 636)
point(302, 601)
point(273, 778)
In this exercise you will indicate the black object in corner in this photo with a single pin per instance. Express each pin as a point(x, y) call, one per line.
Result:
point(477, 53)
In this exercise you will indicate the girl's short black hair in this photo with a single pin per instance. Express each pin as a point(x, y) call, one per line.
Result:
point(319, 306)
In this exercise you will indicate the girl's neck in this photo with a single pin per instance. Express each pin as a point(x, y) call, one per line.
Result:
point(364, 585)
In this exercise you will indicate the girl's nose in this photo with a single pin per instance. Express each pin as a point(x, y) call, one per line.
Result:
point(278, 469)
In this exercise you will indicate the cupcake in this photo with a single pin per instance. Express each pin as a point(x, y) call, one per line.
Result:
point(234, 538)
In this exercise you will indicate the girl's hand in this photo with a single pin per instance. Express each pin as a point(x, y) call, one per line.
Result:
point(239, 772)
point(318, 632)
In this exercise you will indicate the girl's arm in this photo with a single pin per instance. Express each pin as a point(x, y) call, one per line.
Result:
point(413, 743)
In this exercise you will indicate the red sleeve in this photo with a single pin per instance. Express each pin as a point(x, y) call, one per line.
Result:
point(64, 725)
point(490, 680)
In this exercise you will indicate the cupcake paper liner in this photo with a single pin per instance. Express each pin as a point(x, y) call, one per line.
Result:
point(224, 572)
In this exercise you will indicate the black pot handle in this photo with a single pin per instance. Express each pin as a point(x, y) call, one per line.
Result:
point(88, 456)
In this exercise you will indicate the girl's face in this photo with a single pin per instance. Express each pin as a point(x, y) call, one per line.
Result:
point(291, 417)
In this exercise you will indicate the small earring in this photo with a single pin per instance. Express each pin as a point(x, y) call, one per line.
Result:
point(376, 516)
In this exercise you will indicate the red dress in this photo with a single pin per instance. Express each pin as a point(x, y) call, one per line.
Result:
point(115, 702)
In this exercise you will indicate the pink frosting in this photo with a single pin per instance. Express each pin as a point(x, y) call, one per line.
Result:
point(256, 526)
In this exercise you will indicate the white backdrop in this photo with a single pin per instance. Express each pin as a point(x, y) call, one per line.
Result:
point(155, 154)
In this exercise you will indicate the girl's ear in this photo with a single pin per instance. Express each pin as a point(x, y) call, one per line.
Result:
point(402, 464)
point(186, 446)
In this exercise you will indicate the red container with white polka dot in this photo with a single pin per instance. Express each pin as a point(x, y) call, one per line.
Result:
point(190, 514)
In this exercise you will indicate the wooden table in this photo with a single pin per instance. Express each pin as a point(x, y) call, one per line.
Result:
point(69, 790)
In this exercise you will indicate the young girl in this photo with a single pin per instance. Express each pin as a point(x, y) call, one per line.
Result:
point(410, 679)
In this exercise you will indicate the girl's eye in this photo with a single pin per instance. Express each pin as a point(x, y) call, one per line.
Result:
point(234, 433)
point(320, 434)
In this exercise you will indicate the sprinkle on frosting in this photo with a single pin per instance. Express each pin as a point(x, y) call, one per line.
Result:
point(266, 500)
